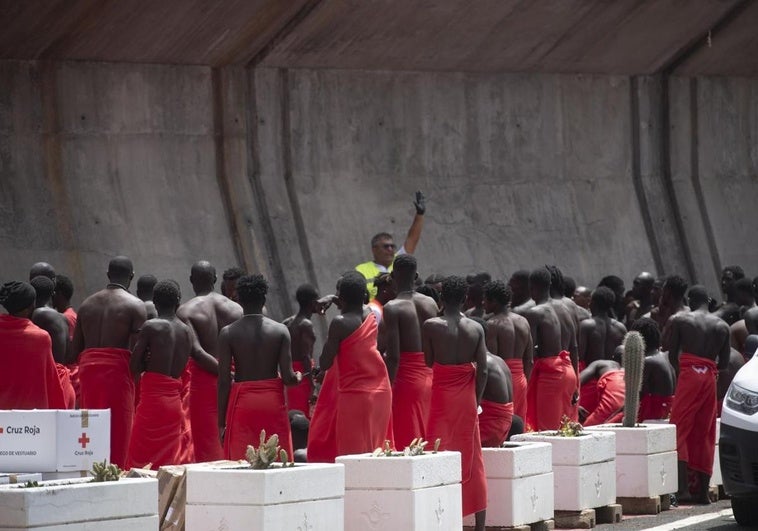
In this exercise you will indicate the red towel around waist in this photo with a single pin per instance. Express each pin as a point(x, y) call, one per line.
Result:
point(107, 383)
point(550, 392)
point(69, 395)
point(655, 407)
point(322, 433)
point(254, 406)
point(495, 423)
point(519, 386)
point(203, 405)
point(298, 396)
point(156, 434)
point(411, 394)
point(611, 392)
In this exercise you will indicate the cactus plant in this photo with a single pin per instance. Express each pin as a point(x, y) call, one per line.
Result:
point(634, 362)
point(569, 428)
point(106, 472)
point(417, 447)
point(264, 456)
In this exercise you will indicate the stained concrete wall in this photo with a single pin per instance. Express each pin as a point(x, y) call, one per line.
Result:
point(290, 172)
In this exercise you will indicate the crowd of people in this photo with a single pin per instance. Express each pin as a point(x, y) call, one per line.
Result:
point(466, 360)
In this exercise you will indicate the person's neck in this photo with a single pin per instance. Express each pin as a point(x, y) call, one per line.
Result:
point(63, 307)
point(500, 310)
point(202, 290)
point(303, 313)
point(118, 284)
point(542, 298)
point(252, 309)
point(352, 308)
point(653, 352)
point(556, 295)
point(452, 311)
point(703, 308)
point(166, 314)
point(404, 287)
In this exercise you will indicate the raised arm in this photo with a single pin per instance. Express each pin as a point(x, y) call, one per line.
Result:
point(224, 378)
point(392, 338)
point(414, 232)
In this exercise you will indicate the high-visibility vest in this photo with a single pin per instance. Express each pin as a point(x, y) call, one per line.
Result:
point(371, 270)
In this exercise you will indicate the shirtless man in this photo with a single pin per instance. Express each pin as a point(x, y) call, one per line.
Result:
point(600, 335)
point(107, 324)
point(568, 315)
point(582, 296)
point(42, 269)
point(553, 385)
point(164, 345)
point(509, 337)
point(616, 285)
point(303, 338)
point(671, 301)
point(64, 290)
point(145, 287)
point(611, 391)
point(729, 311)
point(642, 292)
point(658, 377)
point(474, 305)
point(519, 284)
point(207, 313)
point(49, 319)
point(452, 345)
point(229, 282)
point(410, 377)
point(695, 341)
point(736, 362)
point(260, 350)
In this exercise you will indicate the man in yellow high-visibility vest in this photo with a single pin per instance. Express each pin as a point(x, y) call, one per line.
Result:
point(384, 249)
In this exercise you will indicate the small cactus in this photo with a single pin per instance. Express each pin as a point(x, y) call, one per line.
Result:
point(569, 428)
point(634, 362)
point(416, 447)
point(105, 472)
point(264, 456)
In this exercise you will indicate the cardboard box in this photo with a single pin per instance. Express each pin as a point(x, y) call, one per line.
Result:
point(53, 440)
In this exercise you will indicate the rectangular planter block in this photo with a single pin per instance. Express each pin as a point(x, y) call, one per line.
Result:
point(645, 476)
point(518, 502)
point(591, 447)
point(434, 508)
point(209, 486)
point(518, 459)
point(316, 515)
point(363, 471)
point(584, 487)
point(140, 523)
point(80, 501)
point(6, 478)
point(642, 440)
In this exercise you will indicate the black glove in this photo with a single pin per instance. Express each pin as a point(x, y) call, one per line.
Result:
point(420, 203)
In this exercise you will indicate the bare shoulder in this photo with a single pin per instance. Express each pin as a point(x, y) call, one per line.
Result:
point(434, 322)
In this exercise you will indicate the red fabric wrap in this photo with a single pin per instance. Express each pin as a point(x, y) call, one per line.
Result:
point(107, 383)
point(203, 407)
point(581, 365)
point(71, 317)
point(188, 449)
point(655, 407)
point(299, 395)
point(411, 395)
point(29, 379)
point(322, 433)
point(611, 392)
point(69, 395)
point(453, 420)
point(551, 389)
point(364, 401)
point(256, 405)
point(495, 423)
point(158, 421)
point(694, 412)
point(519, 386)
point(589, 397)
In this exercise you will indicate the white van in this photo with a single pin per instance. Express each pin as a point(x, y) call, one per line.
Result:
point(738, 445)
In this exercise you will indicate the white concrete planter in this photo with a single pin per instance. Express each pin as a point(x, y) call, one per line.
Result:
point(307, 497)
point(645, 459)
point(397, 493)
point(716, 476)
point(124, 505)
point(584, 468)
point(519, 484)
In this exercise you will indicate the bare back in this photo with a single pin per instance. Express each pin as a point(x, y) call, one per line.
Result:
point(598, 338)
point(108, 319)
point(453, 341)
point(751, 320)
point(546, 330)
point(259, 347)
point(302, 336)
point(207, 315)
point(566, 320)
point(163, 347)
point(509, 337)
point(698, 333)
point(56, 325)
point(499, 386)
point(658, 376)
point(404, 316)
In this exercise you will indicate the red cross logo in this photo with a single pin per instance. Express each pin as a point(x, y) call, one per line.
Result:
point(83, 440)
point(1, 430)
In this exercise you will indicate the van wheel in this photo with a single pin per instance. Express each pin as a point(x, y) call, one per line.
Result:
point(745, 511)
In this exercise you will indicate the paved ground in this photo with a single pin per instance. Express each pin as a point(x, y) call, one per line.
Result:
point(715, 517)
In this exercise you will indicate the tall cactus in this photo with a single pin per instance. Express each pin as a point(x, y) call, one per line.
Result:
point(634, 363)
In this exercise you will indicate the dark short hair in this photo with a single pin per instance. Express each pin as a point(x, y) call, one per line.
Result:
point(353, 287)
point(649, 331)
point(556, 278)
point(603, 298)
point(382, 279)
point(405, 263)
point(120, 266)
point(17, 296)
point(380, 236)
point(306, 294)
point(43, 287)
point(429, 291)
point(233, 273)
point(736, 271)
point(166, 294)
point(498, 291)
point(698, 296)
point(454, 290)
point(676, 285)
point(613, 282)
point(520, 276)
point(64, 286)
point(434, 278)
point(252, 289)
point(569, 287)
point(146, 282)
point(744, 285)
point(540, 277)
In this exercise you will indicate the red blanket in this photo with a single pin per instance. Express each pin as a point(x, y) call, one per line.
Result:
point(69, 395)
point(364, 401)
point(254, 406)
point(188, 449)
point(322, 435)
point(156, 434)
point(519, 386)
point(611, 391)
point(694, 412)
point(29, 378)
point(453, 420)
point(588, 395)
point(203, 402)
point(411, 394)
point(298, 396)
point(551, 389)
point(495, 423)
point(107, 383)
point(654, 407)
point(71, 317)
